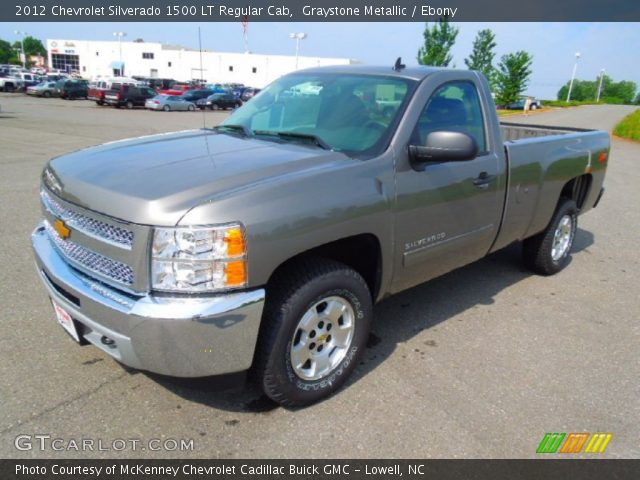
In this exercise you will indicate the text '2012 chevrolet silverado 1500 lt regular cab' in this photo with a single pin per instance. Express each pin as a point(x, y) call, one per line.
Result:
point(263, 243)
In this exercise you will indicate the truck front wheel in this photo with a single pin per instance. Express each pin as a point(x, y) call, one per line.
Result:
point(548, 252)
point(315, 327)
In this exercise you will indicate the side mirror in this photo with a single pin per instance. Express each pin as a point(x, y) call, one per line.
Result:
point(443, 147)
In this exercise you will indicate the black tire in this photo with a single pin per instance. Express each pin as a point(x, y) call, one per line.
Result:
point(129, 105)
point(46, 94)
point(215, 106)
point(293, 293)
point(99, 102)
point(166, 108)
point(538, 251)
point(191, 108)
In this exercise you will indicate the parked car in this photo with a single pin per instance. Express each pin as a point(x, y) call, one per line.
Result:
point(156, 83)
point(264, 243)
point(72, 89)
point(10, 83)
point(129, 96)
point(169, 103)
point(519, 104)
point(28, 79)
point(195, 95)
point(44, 89)
point(217, 88)
point(219, 101)
point(249, 93)
point(99, 88)
point(176, 89)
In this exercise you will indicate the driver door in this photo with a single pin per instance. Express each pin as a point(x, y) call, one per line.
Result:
point(447, 213)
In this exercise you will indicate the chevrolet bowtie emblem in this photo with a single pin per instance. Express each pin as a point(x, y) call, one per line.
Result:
point(62, 229)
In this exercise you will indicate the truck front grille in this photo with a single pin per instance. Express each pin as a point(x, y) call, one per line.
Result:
point(90, 260)
point(103, 231)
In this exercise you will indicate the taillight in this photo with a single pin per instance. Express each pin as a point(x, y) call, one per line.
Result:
point(156, 102)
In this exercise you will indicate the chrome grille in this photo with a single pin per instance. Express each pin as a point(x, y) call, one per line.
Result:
point(91, 260)
point(100, 230)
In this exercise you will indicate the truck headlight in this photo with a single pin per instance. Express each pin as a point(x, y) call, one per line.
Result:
point(199, 259)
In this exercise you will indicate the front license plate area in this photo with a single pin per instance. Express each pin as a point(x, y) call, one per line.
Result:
point(66, 321)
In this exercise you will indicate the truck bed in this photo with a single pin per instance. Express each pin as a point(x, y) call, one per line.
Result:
point(512, 132)
point(542, 159)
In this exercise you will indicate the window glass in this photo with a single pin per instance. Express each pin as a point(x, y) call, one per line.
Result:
point(455, 107)
point(354, 113)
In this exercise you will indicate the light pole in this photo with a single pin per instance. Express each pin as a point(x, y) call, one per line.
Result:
point(297, 37)
point(23, 54)
point(600, 85)
point(573, 76)
point(120, 35)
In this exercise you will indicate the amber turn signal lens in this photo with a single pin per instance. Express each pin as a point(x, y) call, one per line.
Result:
point(235, 273)
point(234, 239)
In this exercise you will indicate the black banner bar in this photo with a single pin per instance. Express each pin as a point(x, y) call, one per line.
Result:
point(550, 469)
point(318, 10)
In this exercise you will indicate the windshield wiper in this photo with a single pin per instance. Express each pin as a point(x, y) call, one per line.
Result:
point(234, 128)
point(296, 135)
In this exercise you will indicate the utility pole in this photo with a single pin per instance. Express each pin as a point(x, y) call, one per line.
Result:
point(120, 35)
point(573, 76)
point(600, 85)
point(297, 37)
point(23, 54)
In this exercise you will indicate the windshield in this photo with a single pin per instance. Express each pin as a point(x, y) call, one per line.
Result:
point(354, 114)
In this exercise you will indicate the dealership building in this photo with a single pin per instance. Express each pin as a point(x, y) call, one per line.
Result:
point(94, 59)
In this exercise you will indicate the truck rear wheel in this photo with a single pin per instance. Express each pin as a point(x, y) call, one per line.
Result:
point(315, 327)
point(548, 252)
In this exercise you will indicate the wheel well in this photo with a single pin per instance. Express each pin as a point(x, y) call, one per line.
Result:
point(361, 252)
point(577, 189)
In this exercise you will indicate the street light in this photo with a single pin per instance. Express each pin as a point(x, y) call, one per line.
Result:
point(600, 85)
point(297, 37)
point(24, 55)
point(120, 35)
point(573, 76)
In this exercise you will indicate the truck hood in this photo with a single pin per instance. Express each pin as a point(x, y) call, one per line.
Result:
point(155, 180)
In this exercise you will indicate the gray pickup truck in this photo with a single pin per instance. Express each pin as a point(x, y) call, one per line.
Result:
point(262, 244)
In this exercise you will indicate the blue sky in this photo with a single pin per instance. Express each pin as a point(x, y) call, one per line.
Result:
point(612, 46)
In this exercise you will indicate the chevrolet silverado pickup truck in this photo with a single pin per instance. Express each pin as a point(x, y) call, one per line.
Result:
point(263, 243)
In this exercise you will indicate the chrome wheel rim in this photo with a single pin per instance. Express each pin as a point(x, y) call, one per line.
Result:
point(562, 238)
point(322, 338)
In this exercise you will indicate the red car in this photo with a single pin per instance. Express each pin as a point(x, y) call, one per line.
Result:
point(177, 89)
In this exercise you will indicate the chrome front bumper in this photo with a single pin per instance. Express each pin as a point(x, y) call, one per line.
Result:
point(186, 336)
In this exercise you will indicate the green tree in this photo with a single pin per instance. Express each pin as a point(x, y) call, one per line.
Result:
point(582, 90)
point(513, 75)
point(6, 52)
point(482, 55)
point(438, 41)
point(612, 92)
point(624, 90)
point(34, 46)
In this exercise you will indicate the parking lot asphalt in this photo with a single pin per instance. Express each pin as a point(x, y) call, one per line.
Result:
point(479, 363)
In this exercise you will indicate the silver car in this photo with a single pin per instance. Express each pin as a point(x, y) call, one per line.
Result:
point(44, 89)
point(169, 103)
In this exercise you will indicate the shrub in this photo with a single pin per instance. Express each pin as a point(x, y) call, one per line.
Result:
point(629, 126)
